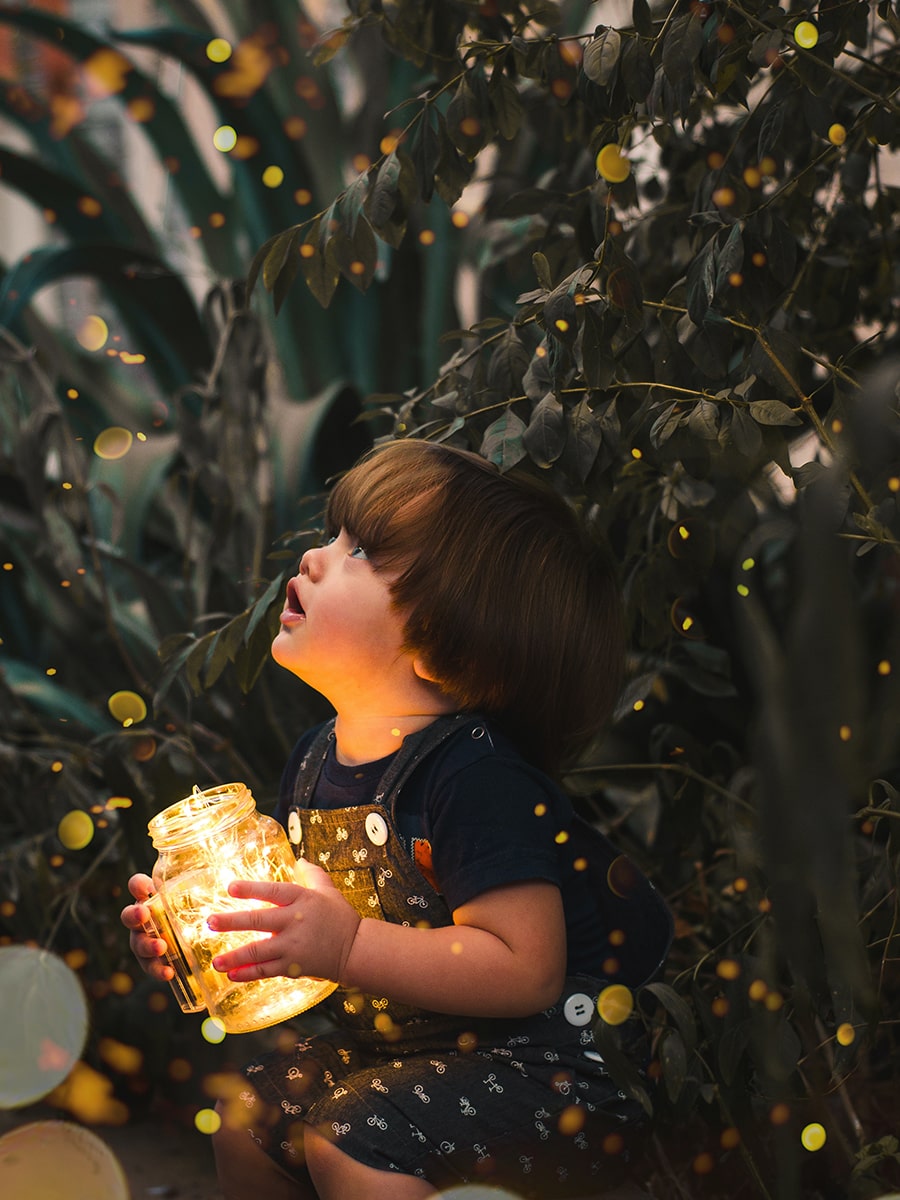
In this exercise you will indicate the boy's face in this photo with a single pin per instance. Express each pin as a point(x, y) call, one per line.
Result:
point(340, 631)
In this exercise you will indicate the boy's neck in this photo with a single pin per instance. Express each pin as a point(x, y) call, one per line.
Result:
point(363, 739)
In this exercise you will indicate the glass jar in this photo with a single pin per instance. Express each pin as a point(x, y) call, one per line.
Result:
point(205, 842)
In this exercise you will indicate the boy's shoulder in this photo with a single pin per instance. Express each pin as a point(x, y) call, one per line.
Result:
point(477, 746)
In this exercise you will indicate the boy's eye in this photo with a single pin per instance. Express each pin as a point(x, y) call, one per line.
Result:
point(358, 552)
point(328, 541)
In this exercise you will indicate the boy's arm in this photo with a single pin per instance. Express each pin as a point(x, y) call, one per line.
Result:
point(505, 955)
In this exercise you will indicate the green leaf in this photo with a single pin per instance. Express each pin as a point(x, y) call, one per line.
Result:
point(262, 606)
point(354, 201)
point(467, 123)
point(681, 48)
point(224, 647)
point(641, 17)
point(503, 442)
point(703, 421)
point(597, 360)
point(666, 424)
point(545, 436)
point(584, 439)
point(745, 433)
point(773, 412)
point(730, 258)
point(636, 69)
point(732, 1048)
point(561, 313)
point(701, 282)
point(425, 153)
point(384, 191)
point(621, 1070)
point(506, 105)
point(453, 171)
point(542, 270)
point(601, 55)
point(319, 267)
point(673, 1060)
point(508, 364)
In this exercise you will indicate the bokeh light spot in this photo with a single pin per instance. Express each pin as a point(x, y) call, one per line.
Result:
point(113, 443)
point(75, 830)
point(615, 1004)
point(845, 1034)
point(92, 333)
point(213, 1031)
point(89, 207)
point(571, 1120)
point(813, 1137)
point(806, 34)
point(127, 707)
point(225, 138)
point(207, 1120)
point(44, 1024)
point(758, 989)
point(218, 50)
point(612, 165)
point(59, 1158)
point(273, 176)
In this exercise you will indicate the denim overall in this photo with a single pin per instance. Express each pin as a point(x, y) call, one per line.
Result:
point(524, 1103)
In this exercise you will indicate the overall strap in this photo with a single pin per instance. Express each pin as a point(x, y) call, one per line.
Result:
point(413, 749)
point(311, 766)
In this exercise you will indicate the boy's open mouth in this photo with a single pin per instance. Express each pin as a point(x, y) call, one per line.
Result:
point(293, 599)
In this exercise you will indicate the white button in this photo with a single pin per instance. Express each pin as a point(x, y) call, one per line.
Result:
point(578, 1009)
point(295, 829)
point(376, 829)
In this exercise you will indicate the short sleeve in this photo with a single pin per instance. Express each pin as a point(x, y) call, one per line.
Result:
point(494, 822)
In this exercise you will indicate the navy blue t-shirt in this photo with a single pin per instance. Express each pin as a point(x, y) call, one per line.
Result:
point(490, 818)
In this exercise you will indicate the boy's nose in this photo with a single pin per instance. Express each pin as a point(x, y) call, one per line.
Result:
point(308, 562)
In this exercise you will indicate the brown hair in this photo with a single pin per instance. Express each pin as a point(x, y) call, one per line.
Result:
point(509, 603)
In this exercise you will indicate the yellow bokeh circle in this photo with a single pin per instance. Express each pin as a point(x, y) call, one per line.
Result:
point(273, 176)
point(127, 707)
point(225, 138)
point(218, 50)
point(75, 830)
point(114, 442)
point(813, 1137)
point(845, 1034)
point(615, 1004)
point(213, 1031)
point(92, 333)
point(806, 34)
point(612, 164)
point(837, 134)
point(208, 1120)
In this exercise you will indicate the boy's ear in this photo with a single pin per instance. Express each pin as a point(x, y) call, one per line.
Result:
point(423, 672)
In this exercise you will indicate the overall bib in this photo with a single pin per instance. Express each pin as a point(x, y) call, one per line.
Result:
point(525, 1103)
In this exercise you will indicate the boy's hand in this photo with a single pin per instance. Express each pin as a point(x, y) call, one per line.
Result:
point(146, 949)
point(311, 929)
